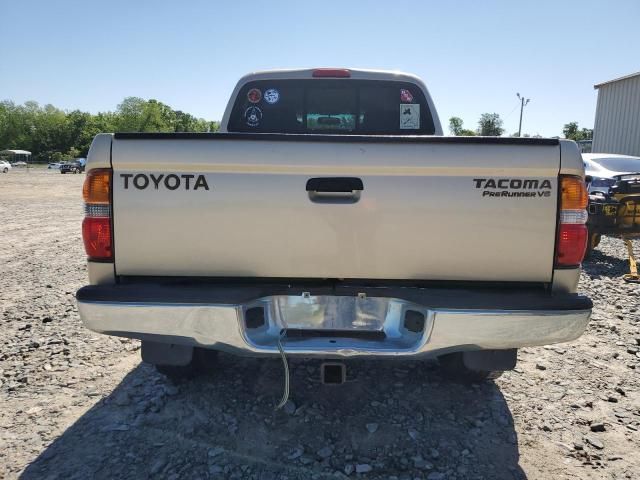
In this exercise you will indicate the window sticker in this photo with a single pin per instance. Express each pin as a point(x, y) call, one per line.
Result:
point(254, 95)
point(253, 116)
point(272, 96)
point(409, 116)
point(406, 96)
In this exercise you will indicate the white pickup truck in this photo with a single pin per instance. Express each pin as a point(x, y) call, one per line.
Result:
point(330, 218)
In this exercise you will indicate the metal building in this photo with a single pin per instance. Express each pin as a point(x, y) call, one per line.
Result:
point(617, 125)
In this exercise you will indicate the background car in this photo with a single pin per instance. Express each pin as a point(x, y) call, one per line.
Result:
point(20, 164)
point(73, 167)
point(54, 165)
point(4, 166)
point(602, 167)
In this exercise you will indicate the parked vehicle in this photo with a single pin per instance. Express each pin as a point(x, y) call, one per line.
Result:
point(614, 201)
point(602, 168)
point(54, 165)
point(331, 219)
point(5, 166)
point(20, 164)
point(73, 167)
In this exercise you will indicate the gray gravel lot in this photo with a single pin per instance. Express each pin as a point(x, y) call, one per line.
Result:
point(74, 404)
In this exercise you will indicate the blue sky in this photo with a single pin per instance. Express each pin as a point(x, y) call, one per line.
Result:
point(473, 55)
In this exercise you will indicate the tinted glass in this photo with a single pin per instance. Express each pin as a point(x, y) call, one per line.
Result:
point(631, 165)
point(331, 106)
point(602, 182)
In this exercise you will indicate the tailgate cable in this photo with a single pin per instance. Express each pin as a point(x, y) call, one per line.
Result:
point(285, 393)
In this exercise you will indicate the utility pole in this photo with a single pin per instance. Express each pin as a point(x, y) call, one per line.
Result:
point(523, 103)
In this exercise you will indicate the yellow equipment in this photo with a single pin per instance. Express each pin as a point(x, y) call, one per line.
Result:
point(617, 213)
point(632, 276)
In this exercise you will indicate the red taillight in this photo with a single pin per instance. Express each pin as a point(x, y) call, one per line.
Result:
point(96, 233)
point(96, 227)
point(572, 231)
point(331, 73)
point(572, 243)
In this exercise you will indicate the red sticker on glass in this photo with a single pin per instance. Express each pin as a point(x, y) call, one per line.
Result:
point(254, 95)
point(405, 95)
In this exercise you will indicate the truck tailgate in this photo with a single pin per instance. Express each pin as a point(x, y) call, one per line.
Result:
point(430, 208)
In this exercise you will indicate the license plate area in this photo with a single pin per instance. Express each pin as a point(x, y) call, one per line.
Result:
point(329, 313)
point(322, 324)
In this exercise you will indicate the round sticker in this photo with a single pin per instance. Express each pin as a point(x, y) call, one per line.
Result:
point(405, 95)
point(272, 96)
point(252, 116)
point(254, 95)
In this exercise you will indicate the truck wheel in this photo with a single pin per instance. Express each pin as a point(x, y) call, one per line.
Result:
point(478, 366)
point(202, 361)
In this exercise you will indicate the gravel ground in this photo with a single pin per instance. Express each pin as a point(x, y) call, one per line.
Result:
point(79, 405)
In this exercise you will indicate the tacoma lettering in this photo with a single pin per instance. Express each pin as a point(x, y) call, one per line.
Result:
point(513, 183)
point(171, 181)
point(513, 187)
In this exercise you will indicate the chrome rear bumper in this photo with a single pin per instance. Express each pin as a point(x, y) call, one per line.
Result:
point(357, 322)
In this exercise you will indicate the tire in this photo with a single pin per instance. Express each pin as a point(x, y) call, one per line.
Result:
point(454, 368)
point(6, 170)
point(203, 361)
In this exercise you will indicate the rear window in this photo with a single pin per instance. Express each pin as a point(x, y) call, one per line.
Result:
point(631, 165)
point(338, 106)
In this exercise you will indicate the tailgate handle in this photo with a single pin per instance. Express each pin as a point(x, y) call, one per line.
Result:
point(334, 189)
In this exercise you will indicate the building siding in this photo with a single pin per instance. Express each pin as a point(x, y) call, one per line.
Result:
point(617, 124)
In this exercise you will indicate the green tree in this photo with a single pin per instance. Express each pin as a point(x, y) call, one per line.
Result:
point(587, 133)
point(573, 132)
point(128, 114)
point(13, 130)
point(490, 124)
point(456, 128)
point(53, 134)
point(156, 117)
point(455, 125)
